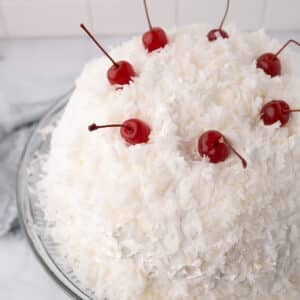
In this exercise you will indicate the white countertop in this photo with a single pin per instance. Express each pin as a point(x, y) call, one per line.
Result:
point(33, 71)
point(21, 276)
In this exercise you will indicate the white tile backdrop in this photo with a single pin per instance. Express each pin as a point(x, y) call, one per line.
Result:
point(247, 14)
point(36, 18)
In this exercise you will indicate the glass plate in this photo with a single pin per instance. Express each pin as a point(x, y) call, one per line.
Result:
point(30, 212)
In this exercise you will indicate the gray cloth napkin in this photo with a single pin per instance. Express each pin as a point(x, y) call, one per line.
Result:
point(16, 124)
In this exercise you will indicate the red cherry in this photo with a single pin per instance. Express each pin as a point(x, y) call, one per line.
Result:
point(276, 110)
point(215, 33)
point(121, 72)
point(270, 63)
point(156, 37)
point(133, 131)
point(216, 147)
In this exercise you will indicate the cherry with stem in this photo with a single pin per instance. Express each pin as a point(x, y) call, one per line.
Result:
point(216, 147)
point(276, 111)
point(155, 38)
point(121, 72)
point(133, 131)
point(213, 34)
point(270, 62)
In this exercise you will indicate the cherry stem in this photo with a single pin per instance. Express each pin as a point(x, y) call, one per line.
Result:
point(94, 127)
point(285, 45)
point(147, 14)
point(293, 110)
point(225, 15)
point(244, 162)
point(98, 45)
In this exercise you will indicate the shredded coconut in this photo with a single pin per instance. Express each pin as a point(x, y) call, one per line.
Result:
point(156, 221)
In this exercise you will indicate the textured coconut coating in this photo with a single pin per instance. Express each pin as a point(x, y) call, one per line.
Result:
point(157, 221)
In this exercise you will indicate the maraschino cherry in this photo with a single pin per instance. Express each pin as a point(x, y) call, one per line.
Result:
point(276, 110)
point(156, 37)
point(216, 147)
point(270, 63)
point(133, 131)
point(215, 33)
point(121, 72)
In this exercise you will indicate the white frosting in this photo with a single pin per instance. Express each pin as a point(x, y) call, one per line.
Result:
point(155, 221)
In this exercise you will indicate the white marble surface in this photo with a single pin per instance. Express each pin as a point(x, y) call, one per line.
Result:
point(21, 276)
point(33, 71)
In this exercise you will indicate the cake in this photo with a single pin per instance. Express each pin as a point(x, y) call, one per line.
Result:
point(156, 220)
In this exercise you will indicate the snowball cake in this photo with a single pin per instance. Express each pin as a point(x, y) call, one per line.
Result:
point(189, 189)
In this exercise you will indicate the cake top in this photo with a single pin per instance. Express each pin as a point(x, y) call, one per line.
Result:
point(156, 220)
